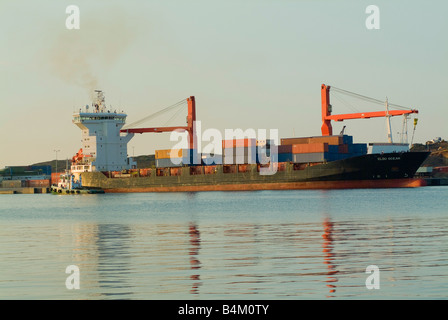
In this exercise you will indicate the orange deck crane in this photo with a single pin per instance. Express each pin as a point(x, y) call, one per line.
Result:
point(191, 118)
point(326, 128)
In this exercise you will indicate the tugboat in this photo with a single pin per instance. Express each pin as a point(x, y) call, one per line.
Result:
point(68, 185)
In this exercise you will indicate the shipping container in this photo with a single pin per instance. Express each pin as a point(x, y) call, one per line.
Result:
point(240, 151)
point(358, 148)
point(333, 149)
point(171, 153)
point(331, 140)
point(239, 155)
point(284, 148)
point(211, 159)
point(263, 157)
point(145, 172)
point(284, 157)
point(440, 169)
point(38, 183)
point(177, 157)
point(13, 184)
point(309, 157)
point(343, 148)
point(15, 170)
point(161, 172)
point(46, 170)
point(335, 156)
point(239, 160)
point(291, 141)
point(168, 163)
point(195, 170)
point(210, 170)
point(262, 143)
point(175, 171)
point(55, 177)
point(347, 139)
point(310, 148)
point(239, 143)
point(114, 174)
point(229, 168)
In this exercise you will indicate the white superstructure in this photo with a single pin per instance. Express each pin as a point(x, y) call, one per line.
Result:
point(104, 148)
point(387, 147)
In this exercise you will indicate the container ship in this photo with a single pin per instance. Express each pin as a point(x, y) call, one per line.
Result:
point(319, 162)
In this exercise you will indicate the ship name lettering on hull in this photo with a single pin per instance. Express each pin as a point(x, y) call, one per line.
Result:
point(388, 158)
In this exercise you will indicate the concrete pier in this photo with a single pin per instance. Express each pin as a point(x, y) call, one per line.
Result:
point(26, 190)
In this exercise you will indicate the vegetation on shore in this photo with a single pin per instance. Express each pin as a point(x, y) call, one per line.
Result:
point(439, 153)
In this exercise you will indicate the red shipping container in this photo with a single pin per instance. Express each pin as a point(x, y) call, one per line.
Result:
point(343, 148)
point(210, 169)
point(291, 141)
point(55, 177)
point(284, 148)
point(175, 171)
point(332, 140)
point(239, 143)
point(145, 172)
point(440, 169)
point(310, 148)
point(38, 183)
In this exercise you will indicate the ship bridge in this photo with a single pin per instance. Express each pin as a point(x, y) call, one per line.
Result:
point(104, 148)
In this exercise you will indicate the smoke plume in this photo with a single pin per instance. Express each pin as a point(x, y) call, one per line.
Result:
point(82, 57)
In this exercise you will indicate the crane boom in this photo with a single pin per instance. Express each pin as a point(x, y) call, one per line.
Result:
point(367, 115)
point(191, 118)
point(327, 129)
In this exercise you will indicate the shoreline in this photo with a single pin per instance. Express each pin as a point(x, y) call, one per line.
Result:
point(24, 190)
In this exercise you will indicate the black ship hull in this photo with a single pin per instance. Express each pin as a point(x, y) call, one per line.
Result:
point(389, 170)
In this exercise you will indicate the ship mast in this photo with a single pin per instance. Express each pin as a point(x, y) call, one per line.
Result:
point(389, 129)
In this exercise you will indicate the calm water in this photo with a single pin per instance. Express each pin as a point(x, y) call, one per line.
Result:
point(226, 245)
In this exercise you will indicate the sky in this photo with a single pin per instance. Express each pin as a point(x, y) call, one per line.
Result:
point(249, 63)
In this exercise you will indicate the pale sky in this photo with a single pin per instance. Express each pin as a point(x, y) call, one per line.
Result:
point(250, 64)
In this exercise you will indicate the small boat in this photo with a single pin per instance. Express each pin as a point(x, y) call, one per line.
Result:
point(68, 185)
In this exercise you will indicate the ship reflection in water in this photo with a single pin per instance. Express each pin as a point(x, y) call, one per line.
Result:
point(329, 256)
point(114, 260)
point(262, 245)
point(195, 242)
point(140, 261)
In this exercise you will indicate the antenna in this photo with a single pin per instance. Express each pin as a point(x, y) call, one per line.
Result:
point(404, 129)
point(389, 130)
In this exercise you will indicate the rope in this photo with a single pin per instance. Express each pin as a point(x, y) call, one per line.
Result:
point(351, 107)
point(173, 116)
point(156, 114)
point(369, 99)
